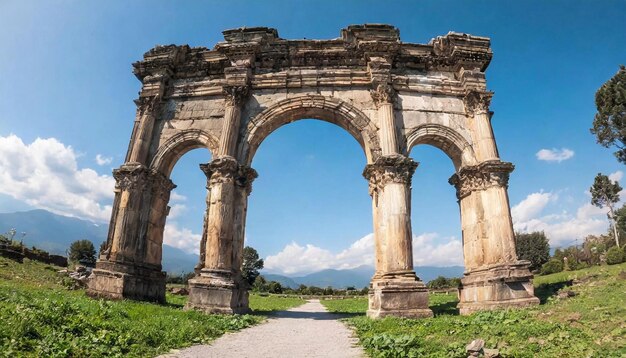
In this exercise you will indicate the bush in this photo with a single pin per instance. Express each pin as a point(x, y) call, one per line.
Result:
point(614, 256)
point(83, 252)
point(552, 266)
point(533, 247)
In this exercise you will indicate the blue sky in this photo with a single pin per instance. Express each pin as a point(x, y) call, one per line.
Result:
point(66, 79)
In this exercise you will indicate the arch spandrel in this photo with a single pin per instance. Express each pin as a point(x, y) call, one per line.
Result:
point(277, 113)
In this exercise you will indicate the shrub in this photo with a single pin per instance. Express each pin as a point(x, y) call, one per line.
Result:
point(533, 247)
point(82, 251)
point(552, 266)
point(614, 256)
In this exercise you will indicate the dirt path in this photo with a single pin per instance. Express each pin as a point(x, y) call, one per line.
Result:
point(305, 331)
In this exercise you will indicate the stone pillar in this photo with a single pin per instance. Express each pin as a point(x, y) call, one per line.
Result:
point(218, 286)
point(130, 264)
point(395, 290)
point(494, 277)
point(479, 123)
point(383, 98)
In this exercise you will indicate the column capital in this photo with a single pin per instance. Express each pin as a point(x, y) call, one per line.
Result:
point(245, 177)
point(383, 93)
point(477, 102)
point(132, 176)
point(147, 104)
point(389, 169)
point(220, 170)
point(480, 177)
point(235, 95)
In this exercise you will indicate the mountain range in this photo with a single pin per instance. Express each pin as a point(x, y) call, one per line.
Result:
point(54, 233)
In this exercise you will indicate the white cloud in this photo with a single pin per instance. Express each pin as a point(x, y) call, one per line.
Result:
point(428, 250)
point(555, 155)
point(102, 160)
point(45, 174)
point(181, 238)
point(174, 196)
point(531, 206)
point(176, 210)
point(617, 176)
point(562, 229)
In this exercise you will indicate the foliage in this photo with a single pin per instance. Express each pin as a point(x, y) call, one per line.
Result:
point(179, 278)
point(552, 266)
point(83, 252)
point(274, 287)
point(609, 124)
point(615, 255)
point(443, 282)
point(589, 325)
point(605, 193)
point(251, 265)
point(533, 247)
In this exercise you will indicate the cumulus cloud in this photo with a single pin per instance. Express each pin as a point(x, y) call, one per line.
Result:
point(176, 211)
point(102, 160)
point(563, 228)
point(45, 174)
point(174, 196)
point(555, 155)
point(181, 238)
point(428, 250)
point(617, 176)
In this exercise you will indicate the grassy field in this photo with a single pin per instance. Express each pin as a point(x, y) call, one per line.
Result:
point(40, 318)
point(591, 324)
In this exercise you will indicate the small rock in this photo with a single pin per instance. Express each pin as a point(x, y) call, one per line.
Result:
point(491, 353)
point(475, 346)
point(182, 291)
point(566, 294)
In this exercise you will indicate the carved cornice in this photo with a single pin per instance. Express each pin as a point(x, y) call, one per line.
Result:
point(147, 104)
point(477, 102)
point(383, 93)
point(389, 169)
point(480, 177)
point(140, 178)
point(235, 95)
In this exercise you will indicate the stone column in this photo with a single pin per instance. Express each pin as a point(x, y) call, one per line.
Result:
point(395, 289)
point(218, 286)
point(494, 277)
point(479, 120)
point(130, 265)
point(383, 98)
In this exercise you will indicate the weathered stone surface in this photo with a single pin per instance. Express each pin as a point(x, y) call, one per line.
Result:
point(388, 94)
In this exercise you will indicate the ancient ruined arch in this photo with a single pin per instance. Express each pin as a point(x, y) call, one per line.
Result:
point(327, 109)
point(388, 94)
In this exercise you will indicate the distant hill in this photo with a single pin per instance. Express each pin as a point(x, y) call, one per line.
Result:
point(54, 233)
point(358, 277)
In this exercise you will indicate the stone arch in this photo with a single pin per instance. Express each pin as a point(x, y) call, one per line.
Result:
point(451, 142)
point(182, 142)
point(328, 109)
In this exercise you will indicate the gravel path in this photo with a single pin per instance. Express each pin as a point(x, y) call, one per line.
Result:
point(305, 331)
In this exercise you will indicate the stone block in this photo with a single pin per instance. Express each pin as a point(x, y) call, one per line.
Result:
point(398, 297)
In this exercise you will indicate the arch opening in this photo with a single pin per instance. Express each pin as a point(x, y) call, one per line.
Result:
point(450, 142)
point(327, 109)
point(168, 153)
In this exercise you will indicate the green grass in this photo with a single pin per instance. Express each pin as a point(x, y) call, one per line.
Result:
point(591, 324)
point(40, 317)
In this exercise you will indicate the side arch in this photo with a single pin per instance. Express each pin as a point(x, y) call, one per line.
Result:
point(448, 140)
point(169, 152)
point(328, 109)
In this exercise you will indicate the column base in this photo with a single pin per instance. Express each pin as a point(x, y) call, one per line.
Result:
point(214, 291)
point(399, 296)
point(118, 281)
point(497, 286)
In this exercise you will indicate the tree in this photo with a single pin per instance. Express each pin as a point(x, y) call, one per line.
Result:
point(609, 124)
point(614, 256)
point(274, 287)
point(605, 192)
point(83, 252)
point(533, 247)
point(552, 266)
point(251, 265)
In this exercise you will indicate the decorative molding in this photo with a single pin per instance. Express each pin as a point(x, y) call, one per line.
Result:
point(480, 177)
point(477, 102)
point(139, 178)
point(389, 169)
point(245, 177)
point(235, 95)
point(227, 170)
point(382, 94)
point(147, 104)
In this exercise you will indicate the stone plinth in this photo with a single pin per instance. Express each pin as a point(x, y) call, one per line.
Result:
point(118, 281)
point(215, 291)
point(399, 296)
point(497, 286)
